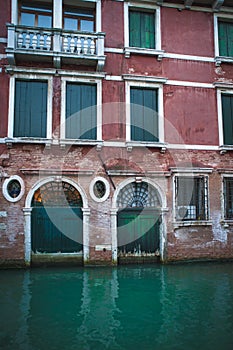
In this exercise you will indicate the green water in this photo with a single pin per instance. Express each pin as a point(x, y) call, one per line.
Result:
point(157, 307)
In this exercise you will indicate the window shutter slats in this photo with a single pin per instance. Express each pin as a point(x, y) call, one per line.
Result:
point(30, 117)
point(227, 113)
point(81, 113)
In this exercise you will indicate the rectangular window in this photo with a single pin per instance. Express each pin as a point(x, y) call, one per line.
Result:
point(191, 198)
point(142, 29)
point(225, 38)
point(35, 15)
point(227, 118)
point(228, 198)
point(81, 111)
point(30, 108)
point(144, 114)
point(79, 19)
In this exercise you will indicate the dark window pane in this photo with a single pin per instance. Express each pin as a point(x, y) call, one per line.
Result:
point(228, 194)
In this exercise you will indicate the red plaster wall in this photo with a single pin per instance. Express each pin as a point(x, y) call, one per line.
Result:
point(5, 16)
point(187, 32)
point(190, 115)
point(4, 97)
point(113, 23)
point(113, 110)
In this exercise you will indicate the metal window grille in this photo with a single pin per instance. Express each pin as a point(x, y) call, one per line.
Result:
point(228, 198)
point(57, 194)
point(138, 195)
point(191, 198)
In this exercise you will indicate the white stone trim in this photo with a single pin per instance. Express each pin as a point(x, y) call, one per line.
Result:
point(218, 58)
point(189, 84)
point(32, 77)
point(221, 92)
point(57, 13)
point(195, 173)
point(28, 209)
point(148, 6)
point(107, 187)
point(5, 191)
point(80, 79)
point(144, 84)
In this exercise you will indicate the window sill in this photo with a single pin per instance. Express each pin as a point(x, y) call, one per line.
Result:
point(225, 148)
point(10, 141)
point(178, 224)
point(142, 51)
point(75, 142)
point(226, 223)
point(223, 59)
point(161, 145)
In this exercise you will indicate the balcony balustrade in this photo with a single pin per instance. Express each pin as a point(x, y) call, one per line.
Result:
point(39, 44)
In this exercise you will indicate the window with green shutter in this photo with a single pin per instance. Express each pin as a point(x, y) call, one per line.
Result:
point(227, 115)
point(30, 110)
point(225, 36)
point(142, 29)
point(81, 111)
point(144, 114)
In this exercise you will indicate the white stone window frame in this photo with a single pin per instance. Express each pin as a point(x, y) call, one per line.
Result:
point(32, 77)
point(79, 79)
point(224, 221)
point(219, 59)
point(5, 190)
point(220, 92)
point(92, 193)
point(142, 6)
point(192, 173)
point(145, 82)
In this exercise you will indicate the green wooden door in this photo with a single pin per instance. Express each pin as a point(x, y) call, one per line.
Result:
point(57, 229)
point(138, 230)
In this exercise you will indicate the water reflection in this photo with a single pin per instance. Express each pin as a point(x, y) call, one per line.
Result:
point(160, 307)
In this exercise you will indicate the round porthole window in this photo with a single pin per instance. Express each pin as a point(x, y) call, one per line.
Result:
point(13, 188)
point(99, 189)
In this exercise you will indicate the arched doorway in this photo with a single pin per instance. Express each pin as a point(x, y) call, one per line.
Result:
point(56, 221)
point(138, 223)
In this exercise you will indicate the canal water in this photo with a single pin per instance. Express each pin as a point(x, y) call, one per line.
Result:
point(188, 306)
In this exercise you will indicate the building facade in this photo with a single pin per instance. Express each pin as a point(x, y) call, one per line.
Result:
point(116, 131)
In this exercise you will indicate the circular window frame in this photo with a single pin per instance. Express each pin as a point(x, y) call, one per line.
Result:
point(5, 188)
point(107, 188)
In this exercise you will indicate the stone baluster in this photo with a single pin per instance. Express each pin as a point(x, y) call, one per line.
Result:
point(79, 45)
point(72, 44)
point(41, 41)
point(27, 41)
point(65, 43)
point(92, 47)
point(85, 46)
point(48, 42)
point(34, 41)
point(20, 40)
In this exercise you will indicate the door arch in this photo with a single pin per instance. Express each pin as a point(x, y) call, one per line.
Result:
point(45, 197)
point(56, 224)
point(138, 221)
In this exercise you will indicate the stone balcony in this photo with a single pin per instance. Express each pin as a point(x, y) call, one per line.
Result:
point(56, 46)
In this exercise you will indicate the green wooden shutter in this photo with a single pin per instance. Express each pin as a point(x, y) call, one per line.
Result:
point(81, 113)
point(144, 114)
point(142, 29)
point(227, 113)
point(30, 114)
point(225, 33)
